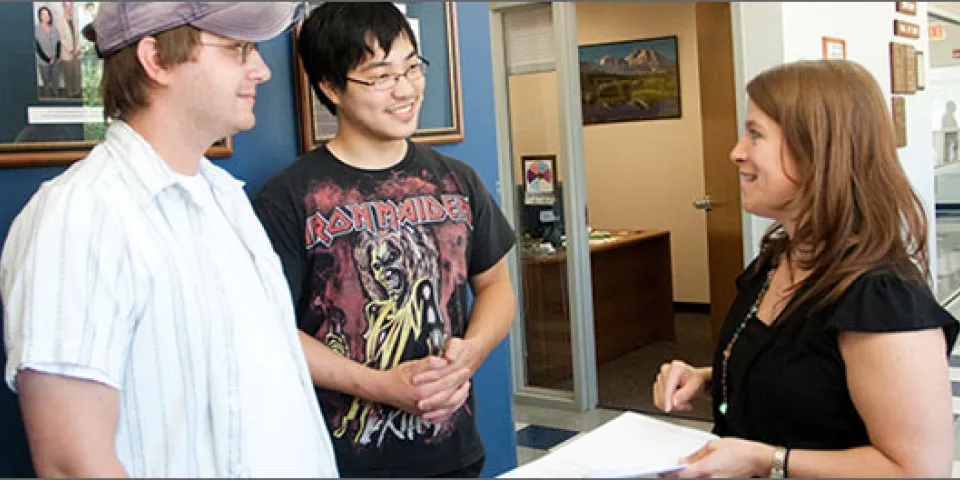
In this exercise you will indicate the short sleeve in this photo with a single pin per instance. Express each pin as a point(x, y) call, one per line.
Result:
point(882, 302)
point(67, 288)
point(278, 212)
point(492, 235)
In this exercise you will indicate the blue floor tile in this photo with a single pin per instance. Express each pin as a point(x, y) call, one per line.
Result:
point(956, 389)
point(955, 360)
point(542, 438)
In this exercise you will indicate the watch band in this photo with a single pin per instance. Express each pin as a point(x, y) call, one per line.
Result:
point(779, 468)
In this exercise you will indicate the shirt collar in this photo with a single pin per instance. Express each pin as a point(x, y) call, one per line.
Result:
point(150, 170)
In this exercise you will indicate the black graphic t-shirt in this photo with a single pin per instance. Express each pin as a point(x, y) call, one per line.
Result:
point(379, 264)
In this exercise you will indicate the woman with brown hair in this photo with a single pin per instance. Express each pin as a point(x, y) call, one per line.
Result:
point(47, 39)
point(832, 361)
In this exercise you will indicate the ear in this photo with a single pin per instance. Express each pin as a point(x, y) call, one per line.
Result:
point(149, 56)
point(330, 91)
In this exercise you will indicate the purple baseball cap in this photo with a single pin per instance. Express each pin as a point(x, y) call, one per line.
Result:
point(119, 24)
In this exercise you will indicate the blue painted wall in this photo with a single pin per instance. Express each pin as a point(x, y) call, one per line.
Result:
point(271, 146)
point(492, 383)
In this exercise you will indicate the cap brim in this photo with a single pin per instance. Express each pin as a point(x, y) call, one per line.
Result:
point(252, 21)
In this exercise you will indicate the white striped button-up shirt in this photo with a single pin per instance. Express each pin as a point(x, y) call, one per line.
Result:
point(169, 291)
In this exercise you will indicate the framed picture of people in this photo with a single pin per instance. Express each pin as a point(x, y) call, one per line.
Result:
point(50, 106)
point(441, 115)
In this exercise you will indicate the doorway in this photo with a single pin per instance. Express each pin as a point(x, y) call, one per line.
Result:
point(625, 307)
point(535, 75)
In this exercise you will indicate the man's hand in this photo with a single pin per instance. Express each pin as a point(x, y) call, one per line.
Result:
point(445, 387)
point(428, 387)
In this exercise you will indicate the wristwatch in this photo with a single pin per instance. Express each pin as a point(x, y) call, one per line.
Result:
point(779, 468)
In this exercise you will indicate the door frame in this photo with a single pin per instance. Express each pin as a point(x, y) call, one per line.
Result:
point(580, 301)
point(720, 117)
point(736, 27)
point(584, 395)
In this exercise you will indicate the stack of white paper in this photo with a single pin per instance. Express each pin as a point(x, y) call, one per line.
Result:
point(631, 445)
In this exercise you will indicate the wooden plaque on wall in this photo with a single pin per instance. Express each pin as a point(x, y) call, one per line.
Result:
point(900, 120)
point(907, 8)
point(906, 29)
point(903, 69)
point(910, 60)
point(834, 48)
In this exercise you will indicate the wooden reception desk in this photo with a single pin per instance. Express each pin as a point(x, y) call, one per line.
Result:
point(632, 303)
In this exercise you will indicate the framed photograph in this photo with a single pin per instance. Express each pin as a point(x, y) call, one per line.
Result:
point(628, 81)
point(441, 115)
point(907, 8)
point(539, 179)
point(50, 108)
point(834, 48)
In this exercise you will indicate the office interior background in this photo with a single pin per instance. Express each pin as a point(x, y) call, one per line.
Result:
point(629, 232)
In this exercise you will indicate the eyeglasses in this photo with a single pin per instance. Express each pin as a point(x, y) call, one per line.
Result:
point(245, 48)
point(388, 81)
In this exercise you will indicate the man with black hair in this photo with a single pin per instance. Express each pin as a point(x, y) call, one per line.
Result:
point(379, 239)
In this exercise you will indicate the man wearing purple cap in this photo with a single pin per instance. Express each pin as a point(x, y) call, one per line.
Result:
point(149, 330)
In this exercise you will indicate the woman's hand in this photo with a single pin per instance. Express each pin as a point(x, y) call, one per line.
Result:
point(676, 385)
point(727, 458)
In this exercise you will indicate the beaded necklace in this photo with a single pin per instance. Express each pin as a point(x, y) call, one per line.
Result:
point(752, 313)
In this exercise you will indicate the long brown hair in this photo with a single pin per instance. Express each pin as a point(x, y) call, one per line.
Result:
point(855, 207)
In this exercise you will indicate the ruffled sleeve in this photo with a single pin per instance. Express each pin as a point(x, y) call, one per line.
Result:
point(882, 302)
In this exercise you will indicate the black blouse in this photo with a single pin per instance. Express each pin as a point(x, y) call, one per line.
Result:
point(786, 383)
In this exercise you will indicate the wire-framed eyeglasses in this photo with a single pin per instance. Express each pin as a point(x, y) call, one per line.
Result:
point(245, 48)
point(388, 81)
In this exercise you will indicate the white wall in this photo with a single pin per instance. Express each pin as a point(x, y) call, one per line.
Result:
point(867, 27)
point(757, 45)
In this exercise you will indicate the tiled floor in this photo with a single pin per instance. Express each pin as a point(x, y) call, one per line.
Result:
point(540, 430)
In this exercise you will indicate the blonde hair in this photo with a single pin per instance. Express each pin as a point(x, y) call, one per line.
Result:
point(856, 208)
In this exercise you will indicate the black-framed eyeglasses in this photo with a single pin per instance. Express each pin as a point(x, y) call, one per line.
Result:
point(388, 81)
point(245, 48)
